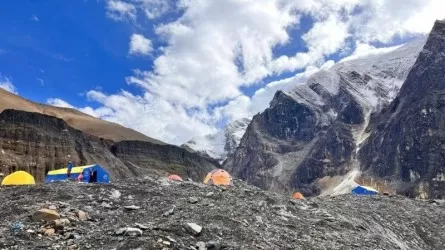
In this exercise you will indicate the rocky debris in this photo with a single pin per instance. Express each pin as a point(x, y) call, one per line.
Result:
point(243, 217)
point(129, 231)
point(82, 215)
point(45, 215)
point(213, 245)
point(132, 207)
point(193, 200)
point(201, 245)
point(141, 226)
point(193, 228)
point(169, 212)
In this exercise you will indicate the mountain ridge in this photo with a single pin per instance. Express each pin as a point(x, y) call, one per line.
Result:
point(75, 118)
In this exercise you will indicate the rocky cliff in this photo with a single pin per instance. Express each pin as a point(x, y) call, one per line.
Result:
point(407, 141)
point(315, 130)
point(38, 143)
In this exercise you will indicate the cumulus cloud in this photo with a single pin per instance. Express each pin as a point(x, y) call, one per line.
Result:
point(210, 55)
point(139, 45)
point(6, 84)
point(214, 49)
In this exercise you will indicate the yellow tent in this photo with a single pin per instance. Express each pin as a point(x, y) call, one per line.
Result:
point(18, 178)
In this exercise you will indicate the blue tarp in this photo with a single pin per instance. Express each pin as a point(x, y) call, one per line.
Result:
point(61, 174)
point(362, 190)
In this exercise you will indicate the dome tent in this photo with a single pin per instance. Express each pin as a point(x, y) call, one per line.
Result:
point(174, 177)
point(18, 178)
point(298, 196)
point(102, 175)
point(364, 190)
point(218, 177)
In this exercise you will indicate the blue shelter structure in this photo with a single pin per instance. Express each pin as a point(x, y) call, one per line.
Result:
point(363, 190)
point(102, 175)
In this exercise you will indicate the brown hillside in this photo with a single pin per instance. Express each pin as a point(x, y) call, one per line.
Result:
point(76, 119)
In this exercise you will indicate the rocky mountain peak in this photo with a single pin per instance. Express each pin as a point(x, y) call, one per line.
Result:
point(315, 129)
point(220, 144)
point(406, 144)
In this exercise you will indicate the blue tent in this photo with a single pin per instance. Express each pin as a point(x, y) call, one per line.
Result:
point(102, 175)
point(363, 190)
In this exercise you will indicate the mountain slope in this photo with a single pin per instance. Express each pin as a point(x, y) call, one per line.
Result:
point(221, 144)
point(407, 141)
point(39, 143)
point(75, 119)
point(315, 130)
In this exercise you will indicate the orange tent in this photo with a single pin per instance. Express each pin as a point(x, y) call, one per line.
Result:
point(218, 177)
point(174, 177)
point(298, 196)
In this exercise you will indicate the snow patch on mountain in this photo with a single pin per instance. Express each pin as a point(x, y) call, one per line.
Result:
point(222, 143)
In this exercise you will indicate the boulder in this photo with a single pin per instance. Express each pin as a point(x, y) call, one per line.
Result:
point(45, 215)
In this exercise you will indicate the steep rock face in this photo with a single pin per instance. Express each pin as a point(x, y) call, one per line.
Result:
point(38, 143)
point(221, 144)
point(166, 158)
point(407, 142)
point(314, 130)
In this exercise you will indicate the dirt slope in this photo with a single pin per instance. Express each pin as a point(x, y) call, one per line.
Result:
point(75, 119)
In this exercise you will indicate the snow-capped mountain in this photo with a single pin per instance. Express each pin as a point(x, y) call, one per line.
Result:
point(316, 129)
point(222, 143)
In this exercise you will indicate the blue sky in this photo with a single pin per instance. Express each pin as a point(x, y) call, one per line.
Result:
point(201, 63)
point(70, 45)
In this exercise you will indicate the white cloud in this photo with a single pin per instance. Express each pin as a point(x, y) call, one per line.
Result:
point(215, 48)
point(139, 45)
point(382, 20)
point(99, 112)
point(120, 10)
point(363, 50)
point(6, 84)
point(210, 55)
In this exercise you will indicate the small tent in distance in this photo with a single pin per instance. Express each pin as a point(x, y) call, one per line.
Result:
point(101, 175)
point(18, 178)
point(174, 177)
point(363, 190)
point(218, 177)
point(298, 196)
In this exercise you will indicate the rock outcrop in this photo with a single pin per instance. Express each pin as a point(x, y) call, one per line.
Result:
point(240, 217)
point(39, 143)
point(407, 141)
point(315, 130)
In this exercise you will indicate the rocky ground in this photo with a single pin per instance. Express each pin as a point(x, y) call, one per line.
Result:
point(153, 213)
